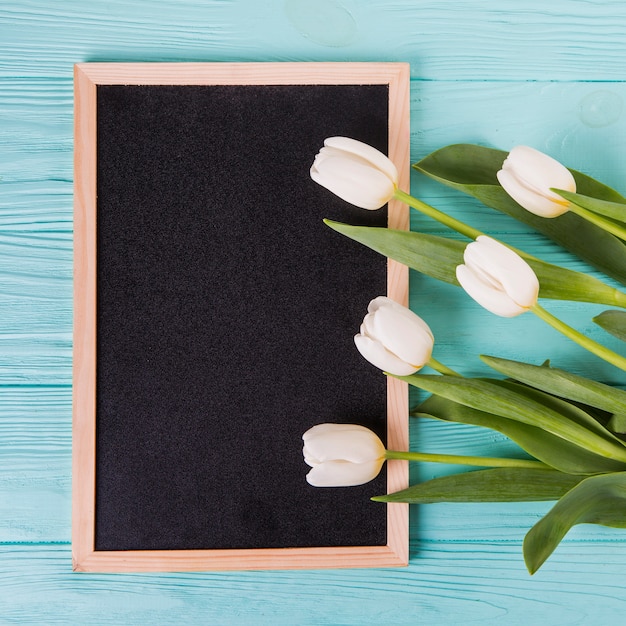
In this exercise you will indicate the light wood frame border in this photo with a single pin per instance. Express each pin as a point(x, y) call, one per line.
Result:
point(86, 79)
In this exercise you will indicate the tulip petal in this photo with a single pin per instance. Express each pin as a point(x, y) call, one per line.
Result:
point(489, 297)
point(342, 474)
point(367, 152)
point(403, 333)
point(343, 442)
point(367, 327)
point(505, 269)
point(529, 199)
point(380, 357)
point(527, 176)
point(309, 459)
point(323, 429)
point(378, 302)
point(353, 181)
point(319, 432)
point(545, 172)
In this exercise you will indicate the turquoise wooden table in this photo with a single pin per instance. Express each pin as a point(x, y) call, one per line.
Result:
point(549, 75)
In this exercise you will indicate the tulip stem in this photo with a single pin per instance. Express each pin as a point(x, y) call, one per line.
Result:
point(450, 222)
point(582, 340)
point(438, 215)
point(455, 459)
point(598, 220)
point(441, 368)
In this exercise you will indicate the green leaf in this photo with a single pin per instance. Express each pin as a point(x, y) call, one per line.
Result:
point(472, 169)
point(551, 449)
point(613, 322)
point(434, 256)
point(596, 500)
point(559, 283)
point(488, 395)
point(438, 257)
point(502, 484)
point(613, 210)
point(566, 409)
point(617, 423)
point(561, 383)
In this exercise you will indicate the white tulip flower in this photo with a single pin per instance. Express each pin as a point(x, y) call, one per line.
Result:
point(527, 175)
point(355, 172)
point(342, 455)
point(394, 338)
point(497, 278)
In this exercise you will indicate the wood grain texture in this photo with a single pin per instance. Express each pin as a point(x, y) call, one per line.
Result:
point(454, 583)
point(549, 75)
point(445, 40)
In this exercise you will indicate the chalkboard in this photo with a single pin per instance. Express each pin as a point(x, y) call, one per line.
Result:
point(214, 316)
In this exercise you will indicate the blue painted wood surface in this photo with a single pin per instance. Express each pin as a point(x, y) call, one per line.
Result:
point(549, 75)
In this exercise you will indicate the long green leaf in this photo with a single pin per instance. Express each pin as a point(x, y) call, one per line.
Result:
point(559, 283)
point(502, 484)
point(551, 449)
point(438, 257)
point(572, 412)
point(562, 383)
point(613, 322)
point(488, 395)
point(434, 256)
point(472, 169)
point(617, 423)
point(613, 210)
point(596, 500)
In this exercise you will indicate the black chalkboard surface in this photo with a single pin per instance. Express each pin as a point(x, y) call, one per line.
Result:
point(224, 316)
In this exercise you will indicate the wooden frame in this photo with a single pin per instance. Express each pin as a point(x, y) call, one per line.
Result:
point(87, 78)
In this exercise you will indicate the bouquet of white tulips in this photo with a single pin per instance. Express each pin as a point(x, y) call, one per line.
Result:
point(573, 428)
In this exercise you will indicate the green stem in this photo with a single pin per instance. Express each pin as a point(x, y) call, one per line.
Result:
point(604, 223)
point(455, 459)
point(441, 368)
point(438, 215)
point(450, 222)
point(582, 340)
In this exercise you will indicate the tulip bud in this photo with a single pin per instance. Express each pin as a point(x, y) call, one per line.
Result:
point(527, 175)
point(342, 455)
point(497, 278)
point(394, 338)
point(355, 172)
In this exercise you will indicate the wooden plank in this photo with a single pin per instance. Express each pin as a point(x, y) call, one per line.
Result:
point(441, 39)
point(463, 582)
point(35, 464)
